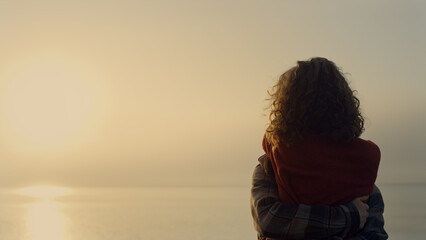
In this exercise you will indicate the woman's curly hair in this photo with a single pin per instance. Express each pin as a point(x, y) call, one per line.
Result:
point(313, 99)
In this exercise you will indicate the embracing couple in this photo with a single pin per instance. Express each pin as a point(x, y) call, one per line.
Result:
point(317, 177)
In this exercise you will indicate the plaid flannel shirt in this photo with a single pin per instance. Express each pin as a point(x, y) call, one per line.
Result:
point(276, 220)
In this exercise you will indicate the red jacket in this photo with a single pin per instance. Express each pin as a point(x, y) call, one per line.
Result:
point(320, 171)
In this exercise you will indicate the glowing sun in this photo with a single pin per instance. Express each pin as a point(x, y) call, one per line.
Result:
point(46, 102)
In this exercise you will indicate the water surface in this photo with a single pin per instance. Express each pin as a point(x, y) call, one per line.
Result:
point(171, 213)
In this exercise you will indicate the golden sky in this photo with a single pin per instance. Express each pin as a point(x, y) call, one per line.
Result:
point(137, 93)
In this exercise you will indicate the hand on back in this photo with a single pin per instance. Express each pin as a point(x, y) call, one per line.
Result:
point(362, 206)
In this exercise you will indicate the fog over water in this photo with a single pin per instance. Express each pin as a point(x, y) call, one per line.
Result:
point(166, 93)
point(149, 115)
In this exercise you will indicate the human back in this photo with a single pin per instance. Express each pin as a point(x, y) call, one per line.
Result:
point(313, 139)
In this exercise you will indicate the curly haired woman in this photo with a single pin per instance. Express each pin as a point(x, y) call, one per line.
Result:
point(313, 140)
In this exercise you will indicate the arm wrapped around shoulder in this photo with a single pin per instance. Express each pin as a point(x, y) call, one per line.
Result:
point(274, 219)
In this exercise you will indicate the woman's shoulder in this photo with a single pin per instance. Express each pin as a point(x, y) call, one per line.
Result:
point(368, 147)
point(368, 144)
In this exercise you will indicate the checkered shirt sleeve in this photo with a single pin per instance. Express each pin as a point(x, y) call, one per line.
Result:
point(276, 220)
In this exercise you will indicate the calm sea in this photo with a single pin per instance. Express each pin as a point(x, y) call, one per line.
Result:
point(171, 213)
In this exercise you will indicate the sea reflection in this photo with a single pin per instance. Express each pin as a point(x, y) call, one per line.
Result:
point(46, 221)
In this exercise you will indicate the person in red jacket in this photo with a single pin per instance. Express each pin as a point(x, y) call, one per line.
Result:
point(313, 139)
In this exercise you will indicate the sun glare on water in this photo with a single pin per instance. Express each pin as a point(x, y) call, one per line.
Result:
point(45, 218)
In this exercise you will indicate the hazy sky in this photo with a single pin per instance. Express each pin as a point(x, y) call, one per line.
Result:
point(162, 92)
